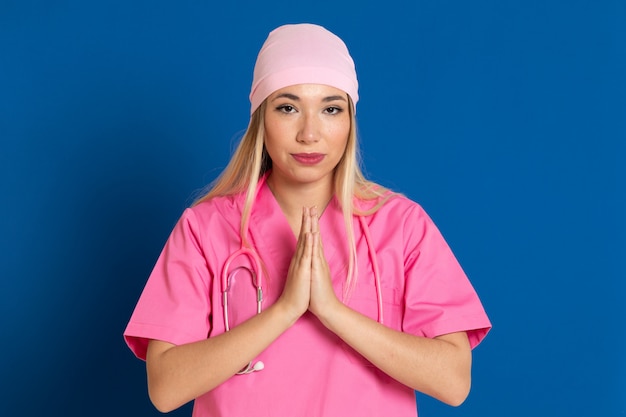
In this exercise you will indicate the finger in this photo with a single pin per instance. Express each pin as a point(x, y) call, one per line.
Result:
point(302, 235)
point(315, 252)
point(297, 291)
point(303, 256)
point(305, 226)
point(315, 238)
point(315, 224)
point(302, 223)
point(318, 247)
point(309, 244)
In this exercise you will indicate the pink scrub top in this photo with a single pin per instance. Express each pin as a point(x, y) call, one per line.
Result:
point(309, 371)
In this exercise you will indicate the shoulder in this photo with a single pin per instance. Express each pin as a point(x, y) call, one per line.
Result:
point(213, 215)
point(402, 218)
point(392, 205)
point(225, 206)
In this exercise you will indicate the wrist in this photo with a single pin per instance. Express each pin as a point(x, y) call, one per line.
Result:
point(330, 312)
point(288, 314)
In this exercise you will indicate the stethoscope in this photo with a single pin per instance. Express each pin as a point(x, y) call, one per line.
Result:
point(257, 279)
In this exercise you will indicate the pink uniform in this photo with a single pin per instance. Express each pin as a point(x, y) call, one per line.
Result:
point(308, 371)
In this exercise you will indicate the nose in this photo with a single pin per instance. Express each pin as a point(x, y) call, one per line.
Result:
point(308, 131)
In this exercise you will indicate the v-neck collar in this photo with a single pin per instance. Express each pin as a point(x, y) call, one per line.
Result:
point(271, 233)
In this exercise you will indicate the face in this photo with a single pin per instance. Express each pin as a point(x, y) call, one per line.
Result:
point(306, 132)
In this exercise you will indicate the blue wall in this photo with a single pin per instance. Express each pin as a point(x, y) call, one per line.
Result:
point(505, 119)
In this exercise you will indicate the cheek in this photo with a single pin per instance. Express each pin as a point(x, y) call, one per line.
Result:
point(269, 129)
point(272, 136)
point(340, 134)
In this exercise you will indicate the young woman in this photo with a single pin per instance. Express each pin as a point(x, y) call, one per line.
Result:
point(295, 287)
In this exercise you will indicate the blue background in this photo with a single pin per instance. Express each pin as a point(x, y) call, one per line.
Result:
point(504, 119)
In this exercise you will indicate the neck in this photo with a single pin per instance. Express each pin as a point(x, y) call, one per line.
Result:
point(293, 197)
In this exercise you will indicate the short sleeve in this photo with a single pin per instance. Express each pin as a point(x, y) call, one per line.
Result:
point(174, 305)
point(439, 298)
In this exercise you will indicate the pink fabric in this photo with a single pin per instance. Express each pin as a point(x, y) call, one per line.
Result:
point(302, 54)
point(308, 371)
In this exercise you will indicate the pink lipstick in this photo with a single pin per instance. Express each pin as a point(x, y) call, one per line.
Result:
point(308, 158)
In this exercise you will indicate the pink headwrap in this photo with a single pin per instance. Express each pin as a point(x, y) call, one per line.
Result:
point(302, 54)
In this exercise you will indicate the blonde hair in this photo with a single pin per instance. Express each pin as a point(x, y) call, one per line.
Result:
point(250, 162)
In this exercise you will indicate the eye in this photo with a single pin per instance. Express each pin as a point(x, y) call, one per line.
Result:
point(333, 110)
point(286, 108)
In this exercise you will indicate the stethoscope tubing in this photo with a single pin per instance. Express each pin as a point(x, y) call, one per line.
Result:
point(257, 278)
point(374, 261)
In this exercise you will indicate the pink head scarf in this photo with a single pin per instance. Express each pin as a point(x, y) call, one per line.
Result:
point(302, 54)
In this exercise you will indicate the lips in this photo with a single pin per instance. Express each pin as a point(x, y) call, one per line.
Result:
point(308, 158)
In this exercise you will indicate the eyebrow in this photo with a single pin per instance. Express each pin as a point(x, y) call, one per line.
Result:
point(296, 98)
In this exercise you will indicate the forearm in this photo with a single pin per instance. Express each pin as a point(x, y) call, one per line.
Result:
point(439, 367)
point(179, 374)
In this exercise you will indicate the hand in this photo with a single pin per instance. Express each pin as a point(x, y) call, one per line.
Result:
point(297, 291)
point(323, 297)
